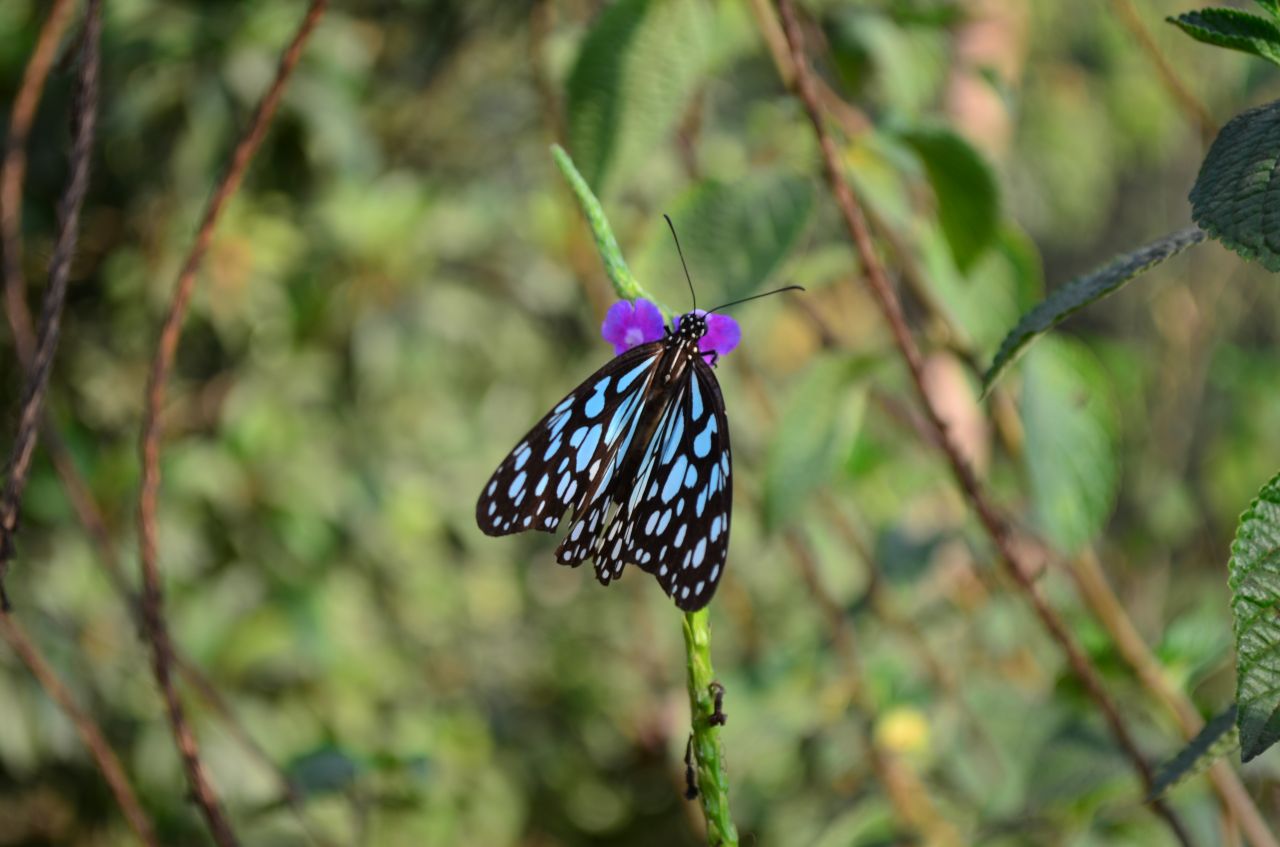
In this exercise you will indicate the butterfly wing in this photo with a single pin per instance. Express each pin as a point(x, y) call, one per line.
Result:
point(674, 523)
point(558, 464)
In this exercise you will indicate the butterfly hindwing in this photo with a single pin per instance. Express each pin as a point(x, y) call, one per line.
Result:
point(675, 523)
point(572, 453)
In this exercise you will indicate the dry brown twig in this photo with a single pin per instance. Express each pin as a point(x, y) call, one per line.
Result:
point(15, 169)
point(84, 121)
point(40, 353)
point(975, 494)
point(156, 626)
point(90, 733)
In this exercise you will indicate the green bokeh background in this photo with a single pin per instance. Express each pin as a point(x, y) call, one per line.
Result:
point(404, 284)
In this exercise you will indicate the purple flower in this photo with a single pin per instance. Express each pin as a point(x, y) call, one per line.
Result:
point(626, 326)
point(723, 334)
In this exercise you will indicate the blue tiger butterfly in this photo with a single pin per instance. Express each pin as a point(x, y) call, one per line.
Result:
point(640, 453)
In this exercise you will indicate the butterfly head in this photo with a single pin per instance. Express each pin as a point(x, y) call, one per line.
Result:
point(691, 327)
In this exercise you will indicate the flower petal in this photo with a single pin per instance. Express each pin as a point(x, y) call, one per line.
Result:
point(649, 319)
point(616, 321)
point(626, 326)
point(723, 334)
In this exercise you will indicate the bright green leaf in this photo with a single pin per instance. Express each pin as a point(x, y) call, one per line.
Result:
point(1234, 30)
point(735, 236)
point(1235, 195)
point(966, 191)
point(1255, 606)
point(1215, 739)
point(1083, 290)
point(821, 416)
point(1271, 7)
point(1070, 442)
point(637, 68)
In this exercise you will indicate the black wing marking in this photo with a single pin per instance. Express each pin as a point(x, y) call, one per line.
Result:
point(558, 463)
point(675, 524)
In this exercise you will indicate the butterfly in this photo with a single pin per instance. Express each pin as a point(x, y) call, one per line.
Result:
point(640, 453)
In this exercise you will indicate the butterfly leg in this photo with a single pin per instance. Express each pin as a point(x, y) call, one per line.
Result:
point(718, 717)
point(690, 774)
point(715, 358)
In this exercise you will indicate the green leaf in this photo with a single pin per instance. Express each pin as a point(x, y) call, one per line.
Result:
point(1235, 195)
point(735, 236)
point(965, 188)
point(1234, 30)
point(1083, 290)
point(1255, 607)
point(814, 434)
point(1271, 7)
point(636, 70)
point(326, 770)
point(1070, 442)
point(1215, 739)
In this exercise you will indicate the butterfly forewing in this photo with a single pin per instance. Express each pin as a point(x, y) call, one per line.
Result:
point(570, 457)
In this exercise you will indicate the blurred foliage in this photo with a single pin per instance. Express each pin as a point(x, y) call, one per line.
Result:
point(404, 284)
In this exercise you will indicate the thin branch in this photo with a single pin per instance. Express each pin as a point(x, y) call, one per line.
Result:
point(992, 521)
point(14, 169)
point(152, 602)
point(84, 120)
point(90, 733)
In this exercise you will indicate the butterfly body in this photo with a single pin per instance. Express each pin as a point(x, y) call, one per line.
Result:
point(640, 453)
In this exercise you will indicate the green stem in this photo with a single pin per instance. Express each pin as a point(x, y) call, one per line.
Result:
point(713, 780)
point(624, 283)
point(713, 776)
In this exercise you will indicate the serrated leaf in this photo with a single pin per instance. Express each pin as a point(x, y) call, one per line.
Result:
point(1070, 442)
point(965, 188)
point(1234, 30)
point(1215, 739)
point(821, 416)
point(1255, 608)
point(735, 235)
point(1235, 197)
point(636, 69)
point(1083, 290)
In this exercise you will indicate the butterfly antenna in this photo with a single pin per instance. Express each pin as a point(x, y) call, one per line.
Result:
point(756, 297)
point(682, 263)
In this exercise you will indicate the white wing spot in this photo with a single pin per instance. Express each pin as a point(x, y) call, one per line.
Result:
point(517, 484)
point(699, 552)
